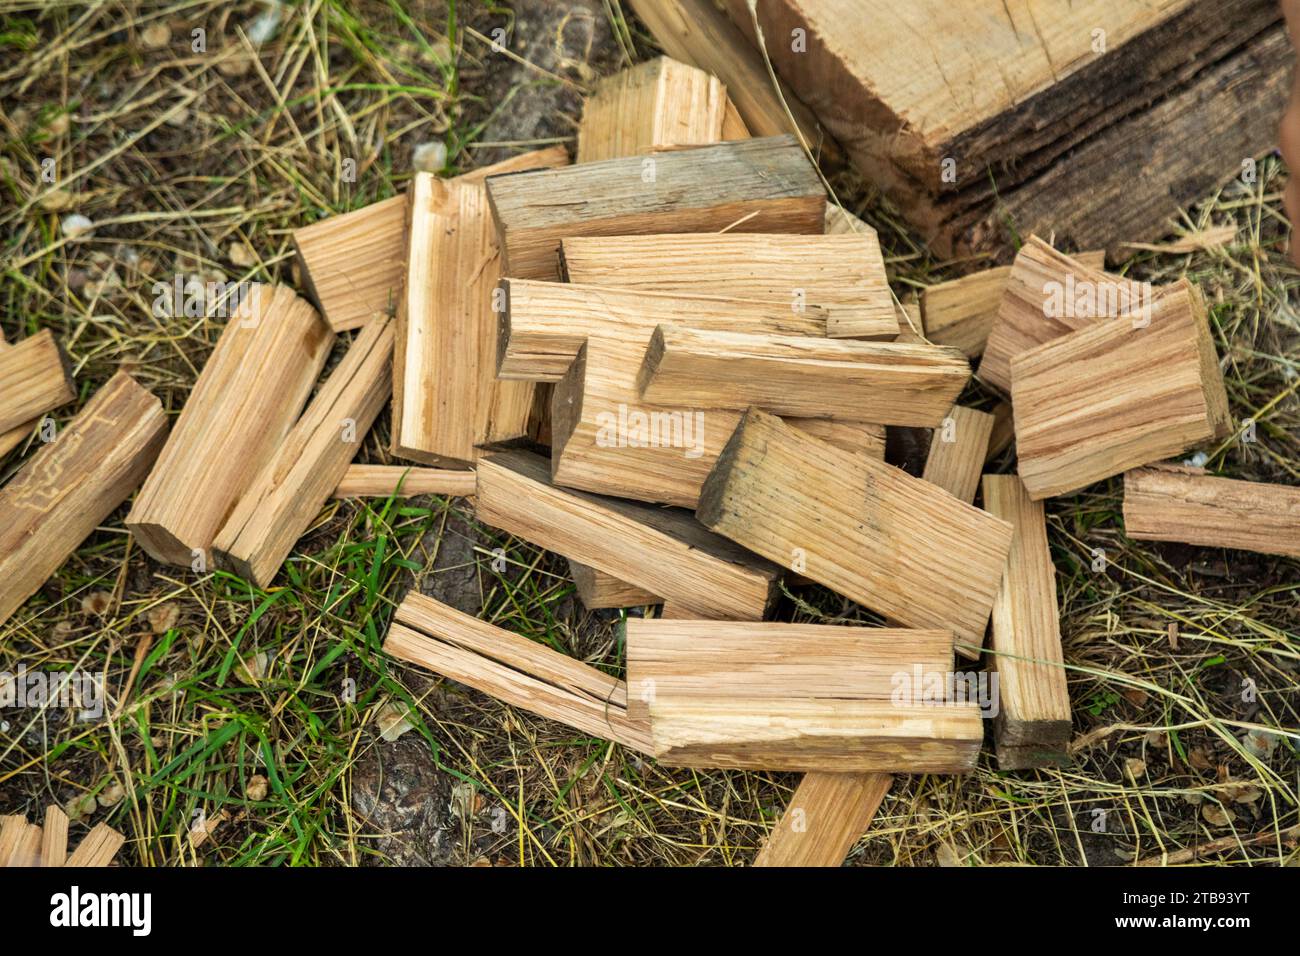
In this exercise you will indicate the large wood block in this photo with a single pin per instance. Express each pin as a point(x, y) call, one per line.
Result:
point(34, 378)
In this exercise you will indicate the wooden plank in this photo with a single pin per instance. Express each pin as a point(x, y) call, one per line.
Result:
point(868, 530)
point(756, 185)
point(246, 399)
point(1172, 503)
point(353, 264)
point(34, 378)
point(513, 669)
point(98, 848)
point(958, 450)
point(596, 589)
point(1100, 401)
point(287, 494)
point(384, 481)
point(662, 102)
point(54, 837)
point(1032, 727)
point(70, 485)
point(887, 383)
point(825, 818)
point(545, 323)
point(665, 552)
point(845, 274)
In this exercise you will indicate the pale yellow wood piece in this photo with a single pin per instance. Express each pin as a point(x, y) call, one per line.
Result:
point(98, 848)
point(54, 837)
point(383, 481)
point(826, 816)
point(596, 589)
point(34, 379)
point(958, 450)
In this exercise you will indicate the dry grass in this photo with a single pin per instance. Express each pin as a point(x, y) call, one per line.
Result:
point(242, 710)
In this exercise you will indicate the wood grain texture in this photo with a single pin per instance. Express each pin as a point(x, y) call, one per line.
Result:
point(845, 274)
point(287, 494)
point(826, 816)
point(665, 552)
point(1172, 503)
point(757, 185)
point(958, 450)
point(246, 399)
point(13, 437)
point(69, 486)
point(520, 672)
point(888, 383)
point(384, 481)
point(869, 531)
point(20, 842)
point(54, 837)
point(98, 847)
point(596, 589)
point(34, 379)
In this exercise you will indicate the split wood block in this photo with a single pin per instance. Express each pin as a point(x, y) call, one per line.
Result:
point(384, 481)
point(596, 589)
point(11, 439)
point(1032, 728)
point(845, 274)
point(861, 437)
point(887, 383)
point(20, 842)
point(1048, 294)
point(958, 450)
point(827, 815)
point(513, 669)
point(659, 103)
point(54, 837)
point(98, 848)
point(960, 312)
point(733, 125)
point(34, 378)
point(1171, 503)
point(1004, 431)
point(72, 484)
point(783, 697)
point(664, 552)
point(353, 264)
point(1111, 397)
point(544, 324)
point(287, 494)
point(754, 185)
point(867, 530)
point(246, 399)
point(985, 120)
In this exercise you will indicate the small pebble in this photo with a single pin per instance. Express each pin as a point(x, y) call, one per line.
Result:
point(76, 225)
point(156, 36)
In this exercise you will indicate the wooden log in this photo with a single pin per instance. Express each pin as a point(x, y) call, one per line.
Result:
point(887, 383)
point(72, 484)
point(98, 848)
point(756, 185)
point(958, 450)
point(596, 589)
point(826, 816)
point(246, 399)
point(1111, 397)
point(384, 481)
point(544, 324)
point(287, 494)
point(353, 264)
point(54, 837)
point(34, 378)
point(513, 669)
point(787, 697)
point(662, 102)
point(1032, 727)
point(868, 530)
point(1172, 503)
point(664, 552)
point(845, 274)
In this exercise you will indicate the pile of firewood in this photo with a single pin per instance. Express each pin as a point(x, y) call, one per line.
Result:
point(711, 352)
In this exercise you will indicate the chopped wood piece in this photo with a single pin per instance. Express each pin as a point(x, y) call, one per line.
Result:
point(384, 481)
point(1032, 728)
point(658, 103)
point(513, 669)
point(20, 842)
point(11, 439)
point(1112, 397)
point(756, 185)
point(70, 485)
point(958, 450)
point(353, 264)
point(1004, 431)
point(845, 274)
point(827, 815)
point(733, 126)
point(34, 378)
point(98, 848)
point(882, 382)
point(287, 494)
point(1169, 503)
point(596, 589)
point(245, 401)
point(665, 552)
point(545, 323)
point(794, 697)
point(54, 837)
point(960, 312)
point(871, 532)
point(860, 437)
